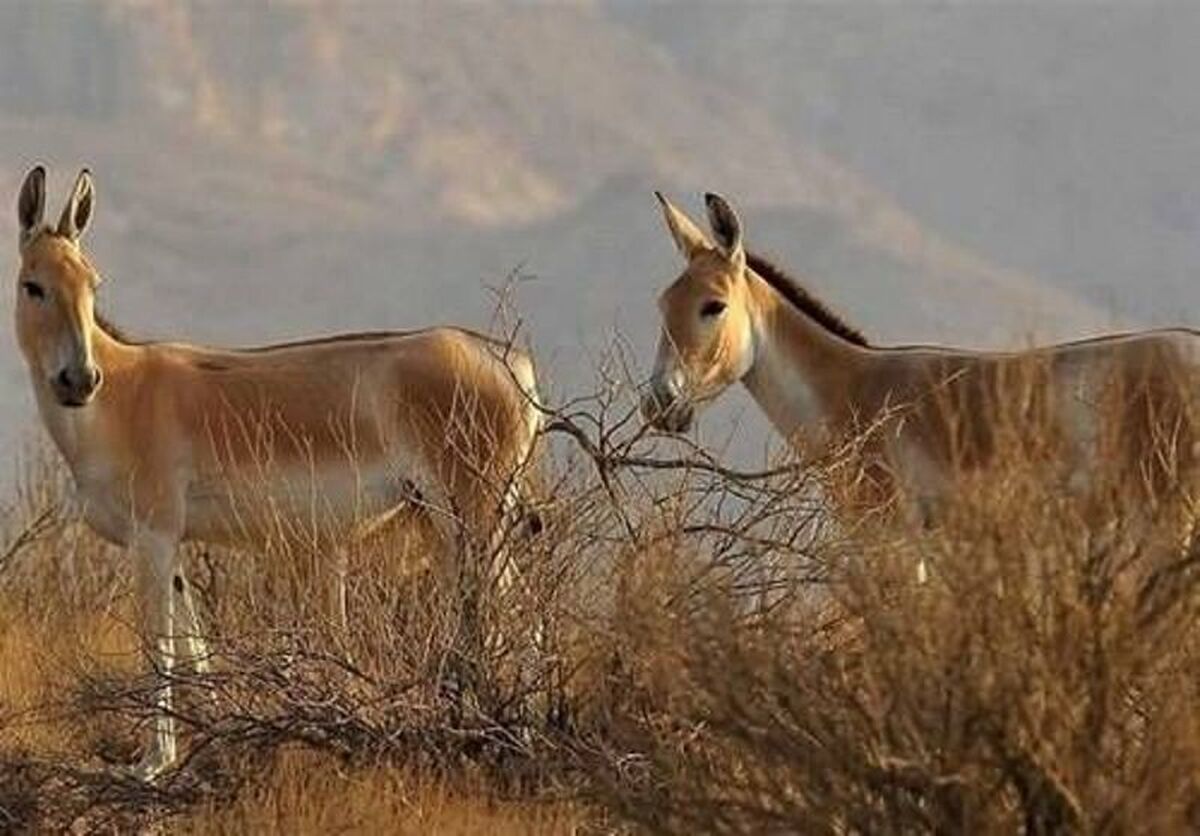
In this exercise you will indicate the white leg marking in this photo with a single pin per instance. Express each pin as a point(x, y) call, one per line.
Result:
point(191, 645)
point(157, 555)
point(341, 569)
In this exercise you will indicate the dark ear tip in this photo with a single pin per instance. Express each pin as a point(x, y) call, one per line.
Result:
point(716, 202)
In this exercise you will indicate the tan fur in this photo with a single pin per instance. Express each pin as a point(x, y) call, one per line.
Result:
point(943, 409)
point(298, 445)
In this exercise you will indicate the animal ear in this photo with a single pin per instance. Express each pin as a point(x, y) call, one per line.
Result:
point(688, 237)
point(726, 227)
point(31, 204)
point(77, 214)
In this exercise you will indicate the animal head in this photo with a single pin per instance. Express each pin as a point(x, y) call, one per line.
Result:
point(707, 337)
point(56, 287)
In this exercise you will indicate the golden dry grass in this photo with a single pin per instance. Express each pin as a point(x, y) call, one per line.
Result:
point(690, 649)
point(304, 792)
point(55, 637)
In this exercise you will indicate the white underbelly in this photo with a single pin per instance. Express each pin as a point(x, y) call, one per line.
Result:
point(306, 504)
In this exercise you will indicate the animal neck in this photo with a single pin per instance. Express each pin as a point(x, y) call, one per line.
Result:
point(110, 345)
point(803, 373)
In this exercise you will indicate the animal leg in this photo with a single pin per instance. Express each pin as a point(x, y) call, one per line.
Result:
point(341, 569)
point(505, 577)
point(191, 644)
point(502, 573)
point(922, 517)
point(157, 558)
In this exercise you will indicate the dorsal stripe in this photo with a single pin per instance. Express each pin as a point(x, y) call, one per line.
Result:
point(794, 292)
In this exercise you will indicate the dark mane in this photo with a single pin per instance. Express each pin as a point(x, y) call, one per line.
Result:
point(791, 289)
point(112, 330)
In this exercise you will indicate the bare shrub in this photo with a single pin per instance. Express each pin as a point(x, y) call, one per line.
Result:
point(685, 647)
point(1044, 679)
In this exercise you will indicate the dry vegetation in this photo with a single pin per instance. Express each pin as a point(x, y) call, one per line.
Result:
point(689, 649)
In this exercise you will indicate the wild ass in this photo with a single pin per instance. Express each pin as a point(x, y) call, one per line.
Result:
point(304, 443)
point(939, 411)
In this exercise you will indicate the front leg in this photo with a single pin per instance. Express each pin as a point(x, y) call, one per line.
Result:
point(190, 644)
point(157, 557)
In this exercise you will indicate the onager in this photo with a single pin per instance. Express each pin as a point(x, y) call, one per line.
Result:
point(938, 412)
point(305, 443)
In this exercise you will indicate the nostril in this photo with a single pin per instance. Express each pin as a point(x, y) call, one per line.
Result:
point(63, 379)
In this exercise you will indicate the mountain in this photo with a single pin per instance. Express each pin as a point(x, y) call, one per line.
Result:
point(1055, 138)
point(271, 170)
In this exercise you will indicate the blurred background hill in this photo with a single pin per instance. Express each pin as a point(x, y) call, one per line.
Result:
point(980, 173)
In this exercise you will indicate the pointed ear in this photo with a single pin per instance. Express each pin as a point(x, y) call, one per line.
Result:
point(31, 204)
point(688, 237)
point(77, 214)
point(726, 227)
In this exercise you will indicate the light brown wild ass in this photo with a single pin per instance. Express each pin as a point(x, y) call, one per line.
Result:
point(304, 443)
point(732, 316)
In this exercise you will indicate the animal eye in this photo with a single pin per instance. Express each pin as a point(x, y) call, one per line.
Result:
point(33, 290)
point(712, 308)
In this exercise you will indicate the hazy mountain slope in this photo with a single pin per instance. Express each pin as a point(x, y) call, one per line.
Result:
point(1058, 138)
point(270, 171)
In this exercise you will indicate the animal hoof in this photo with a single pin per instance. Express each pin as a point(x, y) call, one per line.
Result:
point(150, 768)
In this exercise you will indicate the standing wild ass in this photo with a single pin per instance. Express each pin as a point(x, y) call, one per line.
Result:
point(305, 442)
point(937, 411)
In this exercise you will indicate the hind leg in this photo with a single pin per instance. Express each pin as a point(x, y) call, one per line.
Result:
point(337, 603)
point(526, 639)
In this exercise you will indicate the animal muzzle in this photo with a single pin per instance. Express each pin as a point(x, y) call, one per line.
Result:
point(74, 385)
point(664, 409)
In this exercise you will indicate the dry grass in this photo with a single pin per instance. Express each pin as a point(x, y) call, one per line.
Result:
point(305, 792)
point(690, 649)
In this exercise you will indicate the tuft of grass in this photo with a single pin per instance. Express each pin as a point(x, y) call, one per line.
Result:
point(685, 648)
point(302, 791)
